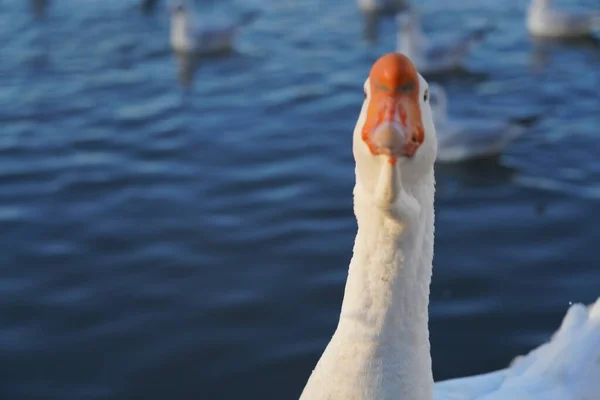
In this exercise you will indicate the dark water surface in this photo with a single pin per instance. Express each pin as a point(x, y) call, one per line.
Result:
point(162, 243)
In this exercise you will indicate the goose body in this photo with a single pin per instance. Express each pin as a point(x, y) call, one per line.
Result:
point(380, 349)
point(465, 138)
point(430, 57)
point(545, 21)
point(188, 35)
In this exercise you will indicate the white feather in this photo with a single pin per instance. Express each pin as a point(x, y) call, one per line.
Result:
point(545, 21)
point(565, 368)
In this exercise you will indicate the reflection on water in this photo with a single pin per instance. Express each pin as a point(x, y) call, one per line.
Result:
point(39, 8)
point(371, 26)
point(188, 64)
point(543, 48)
point(477, 172)
point(148, 6)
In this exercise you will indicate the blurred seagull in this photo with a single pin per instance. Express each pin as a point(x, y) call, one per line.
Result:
point(382, 6)
point(466, 138)
point(428, 57)
point(545, 21)
point(188, 35)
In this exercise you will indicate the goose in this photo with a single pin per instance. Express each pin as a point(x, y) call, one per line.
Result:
point(189, 36)
point(380, 349)
point(429, 57)
point(466, 138)
point(382, 6)
point(545, 21)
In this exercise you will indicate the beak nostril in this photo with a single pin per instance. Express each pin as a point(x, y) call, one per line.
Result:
point(415, 139)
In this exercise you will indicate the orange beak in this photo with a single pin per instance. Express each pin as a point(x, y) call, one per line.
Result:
point(393, 125)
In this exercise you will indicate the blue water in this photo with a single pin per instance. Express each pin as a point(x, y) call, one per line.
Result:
point(163, 240)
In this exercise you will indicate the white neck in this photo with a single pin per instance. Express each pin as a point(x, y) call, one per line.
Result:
point(380, 349)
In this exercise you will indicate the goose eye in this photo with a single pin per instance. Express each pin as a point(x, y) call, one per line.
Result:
point(426, 95)
point(365, 94)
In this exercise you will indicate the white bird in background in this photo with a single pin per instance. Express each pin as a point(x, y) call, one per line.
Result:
point(470, 137)
point(382, 6)
point(545, 21)
point(429, 57)
point(381, 349)
point(189, 35)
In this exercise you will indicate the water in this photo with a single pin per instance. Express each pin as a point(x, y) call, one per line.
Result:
point(161, 242)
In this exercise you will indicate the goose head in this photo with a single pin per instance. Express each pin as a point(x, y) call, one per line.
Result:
point(395, 134)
